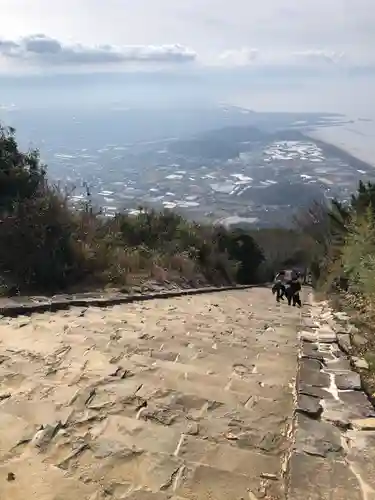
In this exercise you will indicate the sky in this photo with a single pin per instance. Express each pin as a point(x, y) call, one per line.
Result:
point(269, 54)
point(128, 34)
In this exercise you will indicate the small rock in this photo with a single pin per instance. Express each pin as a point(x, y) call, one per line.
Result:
point(341, 316)
point(231, 436)
point(3, 359)
point(45, 435)
point(344, 342)
point(267, 475)
point(338, 365)
point(326, 337)
point(193, 429)
point(4, 395)
point(309, 323)
point(326, 315)
point(359, 363)
point(338, 414)
point(310, 350)
point(308, 336)
point(352, 329)
point(364, 424)
point(350, 380)
point(11, 476)
point(359, 340)
point(309, 405)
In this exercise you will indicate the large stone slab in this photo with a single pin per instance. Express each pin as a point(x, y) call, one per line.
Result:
point(309, 405)
point(315, 478)
point(311, 351)
point(364, 424)
point(360, 363)
point(338, 365)
point(359, 400)
point(30, 478)
point(317, 392)
point(361, 457)
point(348, 381)
point(310, 374)
point(227, 457)
point(317, 438)
point(342, 413)
point(343, 339)
point(201, 482)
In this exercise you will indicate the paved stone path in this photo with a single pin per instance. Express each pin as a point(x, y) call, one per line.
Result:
point(333, 455)
point(186, 398)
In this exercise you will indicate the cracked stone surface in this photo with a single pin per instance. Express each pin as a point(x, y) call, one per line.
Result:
point(335, 425)
point(184, 398)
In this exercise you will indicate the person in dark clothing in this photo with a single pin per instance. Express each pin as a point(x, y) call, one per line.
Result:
point(292, 292)
point(279, 286)
point(279, 289)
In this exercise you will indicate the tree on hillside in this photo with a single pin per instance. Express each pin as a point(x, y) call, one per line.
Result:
point(241, 247)
point(331, 225)
point(37, 245)
point(22, 175)
point(364, 198)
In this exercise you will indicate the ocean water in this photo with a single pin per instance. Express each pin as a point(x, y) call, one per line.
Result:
point(352, 97)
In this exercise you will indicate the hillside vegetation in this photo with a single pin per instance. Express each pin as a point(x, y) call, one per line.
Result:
point(46, 246)
point(344, 266)
point(343, 243)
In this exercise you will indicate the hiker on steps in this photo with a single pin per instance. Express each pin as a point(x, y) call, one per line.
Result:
point(279, 286)
point(292, 292)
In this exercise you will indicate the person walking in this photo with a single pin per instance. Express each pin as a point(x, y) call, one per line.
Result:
point(292, 292)
point(279, 286)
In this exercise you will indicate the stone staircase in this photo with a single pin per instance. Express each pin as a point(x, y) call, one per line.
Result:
point(333, 456)
point(185, 398)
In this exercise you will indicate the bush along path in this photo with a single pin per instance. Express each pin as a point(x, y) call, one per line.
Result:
point(333, 455)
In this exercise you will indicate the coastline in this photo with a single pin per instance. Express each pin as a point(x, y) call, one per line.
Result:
point(351, 139)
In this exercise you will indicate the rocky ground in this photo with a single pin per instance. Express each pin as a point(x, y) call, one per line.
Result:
point(216, 396)
point(184, 398)
point(333, 456)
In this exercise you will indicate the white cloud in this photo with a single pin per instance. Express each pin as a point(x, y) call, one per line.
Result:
point(42, 49)
point(236, 33)
point(319, 56)
point(241, 57)
point(253, 57)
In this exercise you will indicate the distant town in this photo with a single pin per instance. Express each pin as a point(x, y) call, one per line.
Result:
point(257, 169)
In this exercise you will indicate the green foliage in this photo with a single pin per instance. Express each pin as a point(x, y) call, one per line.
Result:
point(358, 254)
point(364, 198)
point(344, 238)
point(21, 174)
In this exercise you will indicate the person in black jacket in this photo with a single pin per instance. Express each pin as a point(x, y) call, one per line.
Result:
point(292, 292)
point(279, 286)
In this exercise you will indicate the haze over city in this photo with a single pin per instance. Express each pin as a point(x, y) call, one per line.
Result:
point(135, 99)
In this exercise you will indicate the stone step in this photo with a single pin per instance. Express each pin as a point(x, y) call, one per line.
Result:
point(330, 459)
point(317, 478)
point(201, 482)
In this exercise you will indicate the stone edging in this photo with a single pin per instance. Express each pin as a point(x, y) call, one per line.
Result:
point(333, 418)
point(58, 302)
